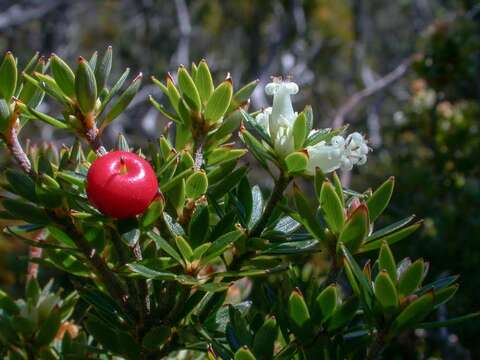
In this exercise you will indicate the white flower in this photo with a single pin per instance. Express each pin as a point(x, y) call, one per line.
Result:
point(278, 120)
point(341, 153)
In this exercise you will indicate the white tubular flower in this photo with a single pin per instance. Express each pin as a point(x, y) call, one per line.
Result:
point(262, 119)
point(341, 153)
point(279, 119)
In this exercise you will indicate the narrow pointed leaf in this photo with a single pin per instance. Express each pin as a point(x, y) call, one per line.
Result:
point(219, 102)
point(327, 301)
point(63, 75)
point(8, 76)
point(204, 82)
point(102, 69)
point(300, 131)
point(343, 314)
point(355, 230)
point(241, 97)
point(379, 200)
point(221, 244)
point(332, 208)
point(411, 278)
point(385, 291)
point(386, 261)
point(264, 341)
point(413, 314)
point(188, 89)
point(85, 86)
point(124, 100)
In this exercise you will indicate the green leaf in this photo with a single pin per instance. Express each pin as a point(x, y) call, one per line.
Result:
point(264, 341)
point(379, 200)
point(244, 201)
point(413, 314)
point(309, 115)
point(103, 334)
point(241, 97)
point(256, 148)
point(332, 207)
point(238, 332)
point(299, 313)
point(327, 301)
point(8, 76)
point(254, 128)
point(323, 135)
point(8, 305)
point(188, 89)
point(164, 111)
point(343, 314)
point(296, 162)
point(355, 230)
point(173, 94)
point(102, 69)
point(221, 244)
point(156, 337)
point(300, 131)
point(173, 182)
point(229, 125)
point(22, 184)
point(200, 250)
point(441, 296)
point(32, 290)
point(386, 261)
point(224, 154)
point(204, 82)
point(391, 238)
point(294, 247)
point(449, 322)
point(124, 100)
point(385, 291)
point(25, 211)
point(63, 75)
point(219, 102)
point(165, 246)
point(93, 60)
point(196, 185)
point(257, 206)
point(198, 227)
point(72, 178)
point(150, 273)
point(411, 278)
point(46, 118)
point(307, 214)
point(437, 284)
point(366, 290)
point(184, 248)
point(287, 225)
point(338, 187)
point(4, 116)
point(227, 183)
point(66, 262)
point(49, 329)
point(114, 90)
point(244, 354)
point(85, 87)
point(390, 229)
point(318, 181)
point(153, 212)
point(61, 236)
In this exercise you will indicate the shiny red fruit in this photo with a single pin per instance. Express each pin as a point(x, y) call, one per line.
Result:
point(121, 184)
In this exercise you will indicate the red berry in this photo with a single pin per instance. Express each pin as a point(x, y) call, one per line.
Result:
point(121, 184)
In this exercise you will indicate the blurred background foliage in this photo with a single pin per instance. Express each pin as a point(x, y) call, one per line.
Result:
point(423, 126)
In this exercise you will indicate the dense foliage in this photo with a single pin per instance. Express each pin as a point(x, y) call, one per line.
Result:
point(213, 266)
